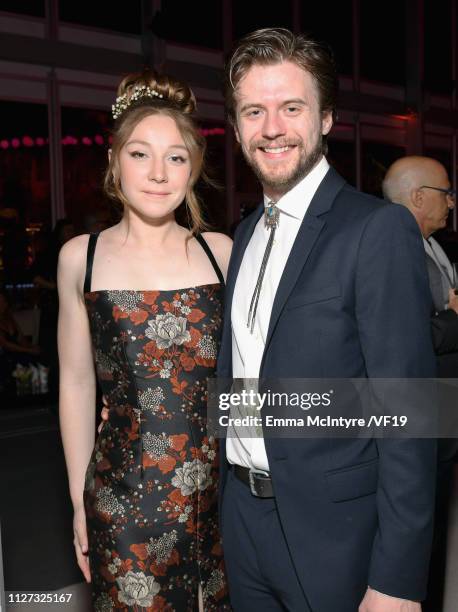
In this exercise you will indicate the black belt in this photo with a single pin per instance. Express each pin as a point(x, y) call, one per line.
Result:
point(260, 482)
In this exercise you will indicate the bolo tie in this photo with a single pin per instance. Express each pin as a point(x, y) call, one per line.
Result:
point(271, 220)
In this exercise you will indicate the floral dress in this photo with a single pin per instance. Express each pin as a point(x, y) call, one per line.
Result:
point(151, 484)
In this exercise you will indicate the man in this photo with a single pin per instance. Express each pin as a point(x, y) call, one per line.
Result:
point(421, 184)
point(313, 291)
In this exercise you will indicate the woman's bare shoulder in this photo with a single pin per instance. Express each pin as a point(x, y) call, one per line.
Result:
point(218, 241)
point(73, 255)
point(74, 248)
point(221, 247)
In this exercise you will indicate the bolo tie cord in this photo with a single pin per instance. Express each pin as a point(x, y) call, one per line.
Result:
point(271, 220)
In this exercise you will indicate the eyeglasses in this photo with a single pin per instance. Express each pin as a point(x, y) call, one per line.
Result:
point(451, 193)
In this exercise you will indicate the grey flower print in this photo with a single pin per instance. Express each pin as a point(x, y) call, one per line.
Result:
point(207, 347)
point(151, 399)
point(167, 329)
point(162, 547)
point(156, 445)
point(127, 301)
point(192, 476)
point(136, 589)
point(215, 583)
point(107, 502)
point(103, 603)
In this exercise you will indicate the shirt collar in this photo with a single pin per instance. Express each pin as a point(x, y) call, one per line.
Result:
point(296, 201)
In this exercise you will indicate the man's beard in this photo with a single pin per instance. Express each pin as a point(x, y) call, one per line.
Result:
point(283, 183)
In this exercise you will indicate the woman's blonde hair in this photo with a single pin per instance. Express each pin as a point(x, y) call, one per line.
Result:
point(173, 99)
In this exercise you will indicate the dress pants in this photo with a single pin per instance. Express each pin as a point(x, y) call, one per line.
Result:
point(260, 571)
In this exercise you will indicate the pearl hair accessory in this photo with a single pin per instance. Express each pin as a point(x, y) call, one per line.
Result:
point(123, 102)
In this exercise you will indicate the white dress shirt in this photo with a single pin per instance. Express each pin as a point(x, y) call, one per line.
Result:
point(247, 348)
point(437, 253)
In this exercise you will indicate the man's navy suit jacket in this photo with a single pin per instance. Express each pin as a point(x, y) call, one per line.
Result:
point(353, 301)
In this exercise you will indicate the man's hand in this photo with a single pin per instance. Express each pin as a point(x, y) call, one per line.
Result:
point(103, 414)
point(379, 602)
point(452, 300)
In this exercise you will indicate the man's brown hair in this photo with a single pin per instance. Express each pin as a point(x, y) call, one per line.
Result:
point(275, 45)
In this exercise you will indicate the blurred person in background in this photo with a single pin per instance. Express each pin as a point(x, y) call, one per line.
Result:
point(14, 348)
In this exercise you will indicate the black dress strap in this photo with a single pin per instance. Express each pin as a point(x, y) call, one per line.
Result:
point(90, 261)
point(211, 257)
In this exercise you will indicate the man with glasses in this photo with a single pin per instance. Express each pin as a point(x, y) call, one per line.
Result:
point(422, 185)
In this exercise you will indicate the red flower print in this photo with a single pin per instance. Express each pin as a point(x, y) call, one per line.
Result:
point(139, 551)
point(178, 387)
point(195, 315)
point(119, 314)
point(138, 316)
point(195, 337)
point(152, 350)
point(178, 441)
point(165, 463)
point(150, 297)
point(187, 362)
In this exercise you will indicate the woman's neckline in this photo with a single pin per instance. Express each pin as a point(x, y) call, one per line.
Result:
point(153, 290)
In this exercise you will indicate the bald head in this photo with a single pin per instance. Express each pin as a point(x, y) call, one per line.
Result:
point(405, 183)
point(410, 173)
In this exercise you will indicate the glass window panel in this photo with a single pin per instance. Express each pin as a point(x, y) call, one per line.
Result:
point(377, 157)
point(337, 31)
point(341, 156)
point(25, 196)
point(104, 14)
point(34, 8)
point(249, 16)
point(245, 180)
point(444, 156)
point(195, 23)
point(382, 34)
point(85, 143)
point(438, 46)
point(213, 196)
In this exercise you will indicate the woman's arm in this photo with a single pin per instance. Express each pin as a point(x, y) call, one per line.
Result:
point(77, 385)
point(77, 376)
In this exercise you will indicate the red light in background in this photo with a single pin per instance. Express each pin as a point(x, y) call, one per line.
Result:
point(212, 131)
point(409, 116)
point(98, 139)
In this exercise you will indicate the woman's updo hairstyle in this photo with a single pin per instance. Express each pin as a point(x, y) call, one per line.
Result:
point(148, 93)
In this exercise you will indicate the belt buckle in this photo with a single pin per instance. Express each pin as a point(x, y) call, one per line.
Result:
point(251, 475)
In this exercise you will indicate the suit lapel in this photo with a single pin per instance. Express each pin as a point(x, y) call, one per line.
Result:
point(310, 229)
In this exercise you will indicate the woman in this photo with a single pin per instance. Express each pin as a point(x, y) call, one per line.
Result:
point(145, 298)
